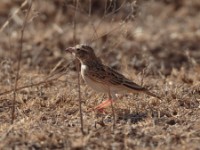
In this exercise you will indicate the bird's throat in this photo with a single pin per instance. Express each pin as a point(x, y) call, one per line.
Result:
point(84, 69)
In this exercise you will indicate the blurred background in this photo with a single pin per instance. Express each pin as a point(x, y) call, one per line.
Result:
point(158, 35)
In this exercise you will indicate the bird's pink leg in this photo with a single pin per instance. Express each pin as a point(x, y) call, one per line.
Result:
point(103, 105)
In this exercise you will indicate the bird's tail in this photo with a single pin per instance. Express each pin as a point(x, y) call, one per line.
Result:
point(151, 94)
point(135, 87)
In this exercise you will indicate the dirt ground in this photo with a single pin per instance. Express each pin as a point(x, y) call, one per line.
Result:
point(154, 43)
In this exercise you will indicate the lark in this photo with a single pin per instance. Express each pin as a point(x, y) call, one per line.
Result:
point(103, 78)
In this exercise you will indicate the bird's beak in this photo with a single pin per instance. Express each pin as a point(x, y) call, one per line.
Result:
point(70, 49)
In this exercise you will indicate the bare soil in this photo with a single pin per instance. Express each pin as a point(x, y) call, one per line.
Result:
point(154, 43)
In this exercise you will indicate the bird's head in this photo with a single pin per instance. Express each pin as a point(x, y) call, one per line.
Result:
point(82, 52)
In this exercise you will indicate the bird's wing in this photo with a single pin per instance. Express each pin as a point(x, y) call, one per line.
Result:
point(119, 79)
point(109, 76)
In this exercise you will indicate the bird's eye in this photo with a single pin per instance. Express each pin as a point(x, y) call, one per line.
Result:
point(78, 49)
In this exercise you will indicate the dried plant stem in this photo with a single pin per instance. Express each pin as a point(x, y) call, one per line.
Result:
point(11, 17)
point(18, 64)
point(32, 85)
point(78, 68)
point(90, 7)
point(79, 96)
point(113, 109)
point(47, 80)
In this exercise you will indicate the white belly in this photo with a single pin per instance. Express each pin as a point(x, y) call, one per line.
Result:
point(95, 85)
point(100, 87)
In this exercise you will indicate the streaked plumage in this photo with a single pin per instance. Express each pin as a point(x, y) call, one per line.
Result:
point(103, 78)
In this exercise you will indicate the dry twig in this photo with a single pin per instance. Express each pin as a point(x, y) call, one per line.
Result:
point(18, 62)
point(78, 68)
point(49, 79)
point(11, 17)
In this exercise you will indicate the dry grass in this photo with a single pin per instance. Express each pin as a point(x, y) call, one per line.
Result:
point(159, 48)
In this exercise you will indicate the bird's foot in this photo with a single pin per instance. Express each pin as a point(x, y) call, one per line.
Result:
point(103, 105)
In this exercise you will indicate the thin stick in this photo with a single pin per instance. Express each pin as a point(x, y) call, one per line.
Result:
point(32, 85)
point(11, 17)
point(78, 68)
point(79, 96)
point(18, 64)
point(113, 110)
point(47, 80)
point(90, 7)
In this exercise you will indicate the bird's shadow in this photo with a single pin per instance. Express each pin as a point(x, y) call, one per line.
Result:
point(124, 116)
point(131, 117)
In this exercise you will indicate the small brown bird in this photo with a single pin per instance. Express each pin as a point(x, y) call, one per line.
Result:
point(103, 78)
